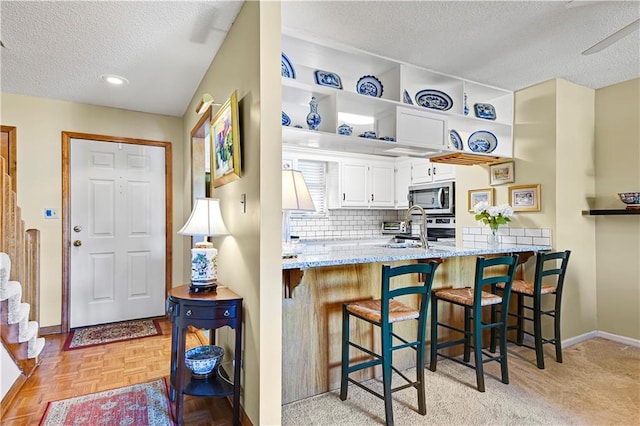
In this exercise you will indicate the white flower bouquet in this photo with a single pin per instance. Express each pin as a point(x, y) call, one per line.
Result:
point(493, 216)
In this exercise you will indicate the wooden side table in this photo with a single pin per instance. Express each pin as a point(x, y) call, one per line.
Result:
point(207, 311)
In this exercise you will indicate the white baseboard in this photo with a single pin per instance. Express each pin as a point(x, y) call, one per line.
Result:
point(610, 336)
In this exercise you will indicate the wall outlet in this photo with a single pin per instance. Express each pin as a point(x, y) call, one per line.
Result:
point(50, 213)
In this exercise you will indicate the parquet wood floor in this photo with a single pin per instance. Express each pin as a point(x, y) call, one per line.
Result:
point(66, 374)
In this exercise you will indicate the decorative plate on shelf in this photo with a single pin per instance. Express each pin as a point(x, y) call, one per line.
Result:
point(287, 67)
point(407, 97)
point(486, 111)
point(434, 99)
point(482, 141)
point(285, 119)
point(329, 79)
point(369, 85)
point(456, 140)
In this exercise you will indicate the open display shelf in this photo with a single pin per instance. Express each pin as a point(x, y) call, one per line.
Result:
point(610, 212)
point(466, 159)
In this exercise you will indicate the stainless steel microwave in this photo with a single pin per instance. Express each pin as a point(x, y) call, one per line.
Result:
point(434, 198)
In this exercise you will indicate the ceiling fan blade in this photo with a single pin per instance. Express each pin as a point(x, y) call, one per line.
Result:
point(621, 33)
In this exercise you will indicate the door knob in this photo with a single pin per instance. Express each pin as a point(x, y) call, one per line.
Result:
point(77, 243)
point(77, 228)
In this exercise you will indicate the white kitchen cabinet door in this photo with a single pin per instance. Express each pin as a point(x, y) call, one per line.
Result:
point(443, 172)
point(402, 182)
point(420, 129)
point(421, 172)
point(382, 185)
point(354, 184)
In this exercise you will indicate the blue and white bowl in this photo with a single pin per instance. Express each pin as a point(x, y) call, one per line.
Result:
point(345, 129)
point(203, 360)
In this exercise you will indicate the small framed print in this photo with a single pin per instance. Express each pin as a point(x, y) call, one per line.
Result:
point(479, 195)
point(525, 198)
point(501, 173)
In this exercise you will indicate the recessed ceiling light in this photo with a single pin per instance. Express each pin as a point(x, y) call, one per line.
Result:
point(114, 79)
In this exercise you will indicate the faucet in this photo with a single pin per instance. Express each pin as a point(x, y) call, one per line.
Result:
point(423, 226)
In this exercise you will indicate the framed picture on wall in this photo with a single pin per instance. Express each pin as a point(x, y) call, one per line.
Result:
point(225, 134)
point(501, 173)
point(476, 196)
point(525, 198)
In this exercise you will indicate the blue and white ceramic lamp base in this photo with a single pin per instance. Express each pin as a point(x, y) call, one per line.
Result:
point(204, 268)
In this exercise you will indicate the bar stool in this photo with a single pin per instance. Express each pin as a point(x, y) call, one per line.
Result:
point(473, 300)
point(546, 266)
point(383, 313)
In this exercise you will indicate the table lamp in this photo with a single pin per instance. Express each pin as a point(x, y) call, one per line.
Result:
point(206, 220)
point(295, 197)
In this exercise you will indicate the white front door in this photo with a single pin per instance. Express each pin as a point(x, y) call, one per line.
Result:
point(117, 257)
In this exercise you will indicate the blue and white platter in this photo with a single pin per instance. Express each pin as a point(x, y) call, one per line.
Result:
point(407, 97)
point(482, 141)
point(485, 111)
point(369, 85)
point(434, 99)
point(329, 79)
point(456, 140)
point(287, 67)
point(285, 119)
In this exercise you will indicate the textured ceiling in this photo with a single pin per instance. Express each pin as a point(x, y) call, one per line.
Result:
point(57, 49)
point(510, 45)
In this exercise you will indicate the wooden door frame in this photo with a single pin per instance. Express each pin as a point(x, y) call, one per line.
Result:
point(12, 161)
point(66, 209)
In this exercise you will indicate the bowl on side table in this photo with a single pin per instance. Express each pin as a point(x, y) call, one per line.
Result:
point(631, 199)
point(203, 360)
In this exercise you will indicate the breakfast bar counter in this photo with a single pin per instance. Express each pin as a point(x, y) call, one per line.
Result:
point(325, 275)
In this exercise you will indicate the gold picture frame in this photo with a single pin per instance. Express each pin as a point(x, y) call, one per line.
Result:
point(501, 173)
point(474, 196)
point(225, 137)
point(525, 198)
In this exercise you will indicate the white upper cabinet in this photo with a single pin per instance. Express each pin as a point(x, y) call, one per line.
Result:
point(412, 114)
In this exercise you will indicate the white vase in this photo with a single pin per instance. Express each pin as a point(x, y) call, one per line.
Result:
point(493, 240)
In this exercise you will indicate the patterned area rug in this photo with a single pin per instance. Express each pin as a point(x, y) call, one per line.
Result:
point(140, 405)
point(109, 333)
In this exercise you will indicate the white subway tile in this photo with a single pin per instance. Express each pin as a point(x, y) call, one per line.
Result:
point(517, 232)
point(524, 240)
point(467, 237)
point(542, 241)
point(508, 240)
point(533, 232)
point(546, 232)
point(475, 231)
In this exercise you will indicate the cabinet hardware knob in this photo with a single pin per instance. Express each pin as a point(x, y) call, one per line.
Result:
point(371, 197)
point(188, 313)
point(77, 243)
point(434, 170)
point(77, 228)
point(343, 196)
point(170, 309)
point(227, 313)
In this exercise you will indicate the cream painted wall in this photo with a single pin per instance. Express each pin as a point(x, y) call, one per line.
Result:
point(553, 146)
point(617, 166)
point(249, 260)
point(39, 124)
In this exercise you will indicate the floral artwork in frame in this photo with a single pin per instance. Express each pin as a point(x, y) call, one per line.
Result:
point(525, 198)
point(225, 132)
point(476, 196)
point(501, 173)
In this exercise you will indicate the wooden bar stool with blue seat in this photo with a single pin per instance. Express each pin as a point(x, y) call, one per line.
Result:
point(383, 313)
point(547, 270)
point(489, 273)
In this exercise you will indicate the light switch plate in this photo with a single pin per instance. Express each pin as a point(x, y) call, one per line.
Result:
point(243, 203)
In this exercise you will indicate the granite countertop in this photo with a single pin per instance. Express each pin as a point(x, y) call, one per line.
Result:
point(339, 252)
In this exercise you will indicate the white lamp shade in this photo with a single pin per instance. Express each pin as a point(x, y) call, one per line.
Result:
point(295, 194)
point(205, 219)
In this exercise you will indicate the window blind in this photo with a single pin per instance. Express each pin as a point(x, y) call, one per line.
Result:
point(315, 175)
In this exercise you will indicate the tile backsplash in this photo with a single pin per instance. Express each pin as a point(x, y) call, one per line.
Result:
point(476, 237)
point(344, 224)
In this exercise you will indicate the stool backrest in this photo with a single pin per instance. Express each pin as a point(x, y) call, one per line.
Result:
point(425, 273)
point(547, 266)
point(482, 281)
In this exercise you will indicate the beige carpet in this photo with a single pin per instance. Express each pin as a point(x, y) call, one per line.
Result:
point(598, 384)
